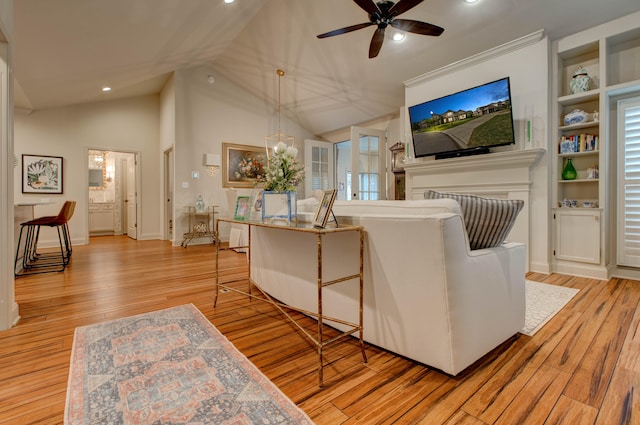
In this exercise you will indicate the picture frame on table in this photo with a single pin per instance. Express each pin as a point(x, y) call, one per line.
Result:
point(42, 174)
point(243, 205)
point(324, 208)
point(242, 165)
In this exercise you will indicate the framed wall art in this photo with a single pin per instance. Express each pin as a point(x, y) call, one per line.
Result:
point(324, 208)
point(41, 174)
point(242, 165)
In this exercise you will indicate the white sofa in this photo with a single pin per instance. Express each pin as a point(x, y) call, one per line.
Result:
point(427, 296)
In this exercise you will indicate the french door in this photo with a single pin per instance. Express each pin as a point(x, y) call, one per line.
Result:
point(367, 175)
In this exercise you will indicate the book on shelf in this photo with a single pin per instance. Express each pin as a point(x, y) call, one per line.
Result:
point(579, 143)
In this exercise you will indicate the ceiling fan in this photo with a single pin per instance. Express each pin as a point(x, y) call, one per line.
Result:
point(383, 14)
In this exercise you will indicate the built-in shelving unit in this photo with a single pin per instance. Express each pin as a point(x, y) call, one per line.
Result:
point(610, 54)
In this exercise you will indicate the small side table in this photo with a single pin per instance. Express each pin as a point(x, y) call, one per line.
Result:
point(201, 224)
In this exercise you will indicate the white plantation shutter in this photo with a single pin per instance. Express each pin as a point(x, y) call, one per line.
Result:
point(629, 181)
point(318, 166)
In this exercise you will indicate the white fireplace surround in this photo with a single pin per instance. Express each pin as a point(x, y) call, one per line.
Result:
point(503, 175)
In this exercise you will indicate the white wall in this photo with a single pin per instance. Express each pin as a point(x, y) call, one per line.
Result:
point(206, 116)
point(130, 125)
point(527, 69)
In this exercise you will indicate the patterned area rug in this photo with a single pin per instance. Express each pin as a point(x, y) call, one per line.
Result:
point(168, 367)
point(543, 302)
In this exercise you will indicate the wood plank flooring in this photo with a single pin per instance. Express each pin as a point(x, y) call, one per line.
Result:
point(583, 367)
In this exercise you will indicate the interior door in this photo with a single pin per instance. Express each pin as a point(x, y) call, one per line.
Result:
point(368, 148)
point(318, 164)
point(132, 202)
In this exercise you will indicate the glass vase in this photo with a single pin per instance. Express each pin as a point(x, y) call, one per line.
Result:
point(569, 172)
point(279, 206)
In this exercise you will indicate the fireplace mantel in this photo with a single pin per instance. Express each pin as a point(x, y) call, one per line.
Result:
point(505, 175)
point(484, 169)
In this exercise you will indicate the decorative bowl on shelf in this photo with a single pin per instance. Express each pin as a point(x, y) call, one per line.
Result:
point(577, 116)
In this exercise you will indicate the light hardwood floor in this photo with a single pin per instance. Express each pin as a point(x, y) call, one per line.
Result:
point(583, 367)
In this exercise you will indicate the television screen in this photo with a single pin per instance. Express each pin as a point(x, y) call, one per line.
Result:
point(463, 123)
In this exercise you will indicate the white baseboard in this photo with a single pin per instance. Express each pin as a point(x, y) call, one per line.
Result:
point(582, 270)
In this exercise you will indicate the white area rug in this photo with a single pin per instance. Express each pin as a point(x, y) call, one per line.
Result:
point(543, 302)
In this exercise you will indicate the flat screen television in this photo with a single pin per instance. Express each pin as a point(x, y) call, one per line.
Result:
point(468, 122)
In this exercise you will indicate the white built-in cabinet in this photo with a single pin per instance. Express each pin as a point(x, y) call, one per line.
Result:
point(611, 55)
point(577, 236)
point(101, 218)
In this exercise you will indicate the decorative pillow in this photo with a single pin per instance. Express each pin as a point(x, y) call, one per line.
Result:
point(488, 221)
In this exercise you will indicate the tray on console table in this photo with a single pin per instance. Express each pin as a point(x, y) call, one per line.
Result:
point(318, 339)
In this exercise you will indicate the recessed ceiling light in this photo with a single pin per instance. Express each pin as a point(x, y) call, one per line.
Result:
point(470, 1)
point(398, 36)
point(228, 1)
point(106, 89)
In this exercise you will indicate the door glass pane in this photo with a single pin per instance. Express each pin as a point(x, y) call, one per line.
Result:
point(364, 144)
point(315, 154)
point(364, 163)
point(373, 164)
point(374, 144)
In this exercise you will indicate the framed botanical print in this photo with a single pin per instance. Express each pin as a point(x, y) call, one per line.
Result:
point(41, 174)
point(242, 165)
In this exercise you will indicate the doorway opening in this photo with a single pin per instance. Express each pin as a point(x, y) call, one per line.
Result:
point(113, 193)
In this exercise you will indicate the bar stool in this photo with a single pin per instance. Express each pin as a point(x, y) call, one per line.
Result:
point(32, 261)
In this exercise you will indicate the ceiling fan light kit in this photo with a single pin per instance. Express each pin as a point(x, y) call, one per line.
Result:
point(398, 36)
point(383, 14)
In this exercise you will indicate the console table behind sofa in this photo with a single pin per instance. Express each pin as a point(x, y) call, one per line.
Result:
point(426, 295)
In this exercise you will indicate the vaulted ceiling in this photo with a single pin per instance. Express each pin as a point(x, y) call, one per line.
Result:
point(66, 50)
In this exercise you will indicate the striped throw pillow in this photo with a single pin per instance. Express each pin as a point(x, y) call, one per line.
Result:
point(488, 221)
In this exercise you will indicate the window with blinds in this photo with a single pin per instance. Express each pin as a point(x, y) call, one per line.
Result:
point(629, 182)
point(318, 166)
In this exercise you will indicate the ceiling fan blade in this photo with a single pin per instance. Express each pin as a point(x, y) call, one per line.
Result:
point(368, 6)
point(345, 30)
point(376, 43)
point(416, 27)
point(402, 6)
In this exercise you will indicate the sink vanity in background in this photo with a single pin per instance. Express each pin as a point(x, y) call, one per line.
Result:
point(101, 218)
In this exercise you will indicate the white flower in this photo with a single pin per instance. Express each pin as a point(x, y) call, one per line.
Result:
point(283, 172)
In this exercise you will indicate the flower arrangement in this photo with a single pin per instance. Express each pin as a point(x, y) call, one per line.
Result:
point(284, 172)
point(249, 167)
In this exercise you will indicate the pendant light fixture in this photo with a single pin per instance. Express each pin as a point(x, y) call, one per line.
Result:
point(272, 141)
